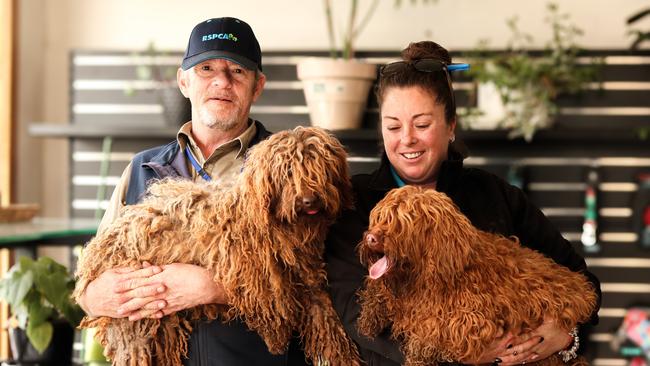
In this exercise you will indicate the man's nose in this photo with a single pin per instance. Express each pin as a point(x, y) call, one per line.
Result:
point(222, 78)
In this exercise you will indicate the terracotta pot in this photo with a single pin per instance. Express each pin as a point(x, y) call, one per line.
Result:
point(336, 91)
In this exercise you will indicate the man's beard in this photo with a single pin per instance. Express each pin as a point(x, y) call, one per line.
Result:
point(211, 120)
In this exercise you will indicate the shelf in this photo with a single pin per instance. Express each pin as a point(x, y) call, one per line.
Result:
point(544, 136)
point(87, 131)
point(94, 131)
point(558, 135)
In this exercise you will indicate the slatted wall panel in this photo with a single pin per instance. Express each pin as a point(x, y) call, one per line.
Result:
point(598, 130)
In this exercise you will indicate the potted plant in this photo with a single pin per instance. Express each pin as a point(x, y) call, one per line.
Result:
point(42, 312)
point(336, 88)
point(527, 84)
point(152, 67)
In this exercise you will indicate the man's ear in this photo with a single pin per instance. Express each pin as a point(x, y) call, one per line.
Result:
point(259, 85)
point(182, 81)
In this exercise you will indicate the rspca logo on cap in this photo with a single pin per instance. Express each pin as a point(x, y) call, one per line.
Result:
point(226, 36)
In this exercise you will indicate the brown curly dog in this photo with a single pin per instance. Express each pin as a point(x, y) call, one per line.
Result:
point(449, 290)
point(262, 237)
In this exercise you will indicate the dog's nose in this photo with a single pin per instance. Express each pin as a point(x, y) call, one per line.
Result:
point(374, 242)
point(309, 201)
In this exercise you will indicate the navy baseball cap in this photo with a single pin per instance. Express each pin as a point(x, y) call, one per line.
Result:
point(228, 38)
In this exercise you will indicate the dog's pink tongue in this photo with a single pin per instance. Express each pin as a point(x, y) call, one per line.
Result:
point(378, 268)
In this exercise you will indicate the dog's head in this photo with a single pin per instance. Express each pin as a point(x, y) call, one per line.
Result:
point(414, 231)
point(299, 175)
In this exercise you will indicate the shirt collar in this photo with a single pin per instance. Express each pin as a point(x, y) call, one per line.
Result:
point(184, 137)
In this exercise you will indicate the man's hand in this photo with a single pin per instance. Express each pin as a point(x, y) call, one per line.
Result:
point(118, 286)
point(186, 286)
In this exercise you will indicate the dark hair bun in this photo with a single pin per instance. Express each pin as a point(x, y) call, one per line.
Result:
point(425, 49)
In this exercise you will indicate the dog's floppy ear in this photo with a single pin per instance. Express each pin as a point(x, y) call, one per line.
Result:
point(257, 175)
point(447, 233)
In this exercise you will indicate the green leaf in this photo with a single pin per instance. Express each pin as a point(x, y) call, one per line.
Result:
point(21, 315)
point(17, 287)
point(25, 263)
point(73, 313)
point(39, 313)
point(40, 335)
point(55, 288)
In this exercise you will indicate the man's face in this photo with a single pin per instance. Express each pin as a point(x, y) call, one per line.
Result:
point(221, 92)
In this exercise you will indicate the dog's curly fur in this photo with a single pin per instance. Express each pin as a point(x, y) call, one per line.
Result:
point(450, 289)
point(262, 237)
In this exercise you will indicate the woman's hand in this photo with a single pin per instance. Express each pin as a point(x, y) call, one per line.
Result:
point(538, 344)
point(495, 351)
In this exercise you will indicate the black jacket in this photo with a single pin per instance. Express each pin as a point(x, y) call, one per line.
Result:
point(213, 343)
point(489, 202)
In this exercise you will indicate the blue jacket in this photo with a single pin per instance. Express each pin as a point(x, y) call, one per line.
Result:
point(213, 343)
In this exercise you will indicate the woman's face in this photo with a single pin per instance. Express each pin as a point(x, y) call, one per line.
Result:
point(415, 132)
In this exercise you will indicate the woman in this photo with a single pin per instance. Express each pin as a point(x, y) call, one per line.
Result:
point(418, 120)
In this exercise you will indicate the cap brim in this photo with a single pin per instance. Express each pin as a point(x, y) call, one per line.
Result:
point(209, 55)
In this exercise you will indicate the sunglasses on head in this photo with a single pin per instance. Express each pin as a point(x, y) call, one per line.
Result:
point(422, 65)
point(426, 65)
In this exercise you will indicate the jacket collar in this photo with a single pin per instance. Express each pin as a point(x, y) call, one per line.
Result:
point(166, 156)
point(171, 160)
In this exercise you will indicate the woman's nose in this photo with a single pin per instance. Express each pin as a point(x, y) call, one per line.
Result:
point(408, 138)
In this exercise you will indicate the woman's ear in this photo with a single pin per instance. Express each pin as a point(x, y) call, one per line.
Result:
point(451, 129)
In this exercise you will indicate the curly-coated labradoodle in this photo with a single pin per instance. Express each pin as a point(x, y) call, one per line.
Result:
point(261, 236)
point(449, 290)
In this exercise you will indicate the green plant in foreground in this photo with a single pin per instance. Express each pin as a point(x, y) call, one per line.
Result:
point(39, 292)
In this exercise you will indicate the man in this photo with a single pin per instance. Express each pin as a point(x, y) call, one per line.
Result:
point(222, 76)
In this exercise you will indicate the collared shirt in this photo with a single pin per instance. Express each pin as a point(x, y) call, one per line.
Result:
point(225, 163)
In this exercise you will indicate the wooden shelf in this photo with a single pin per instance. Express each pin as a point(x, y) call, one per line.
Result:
point(88, 131)
point(552, 135)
